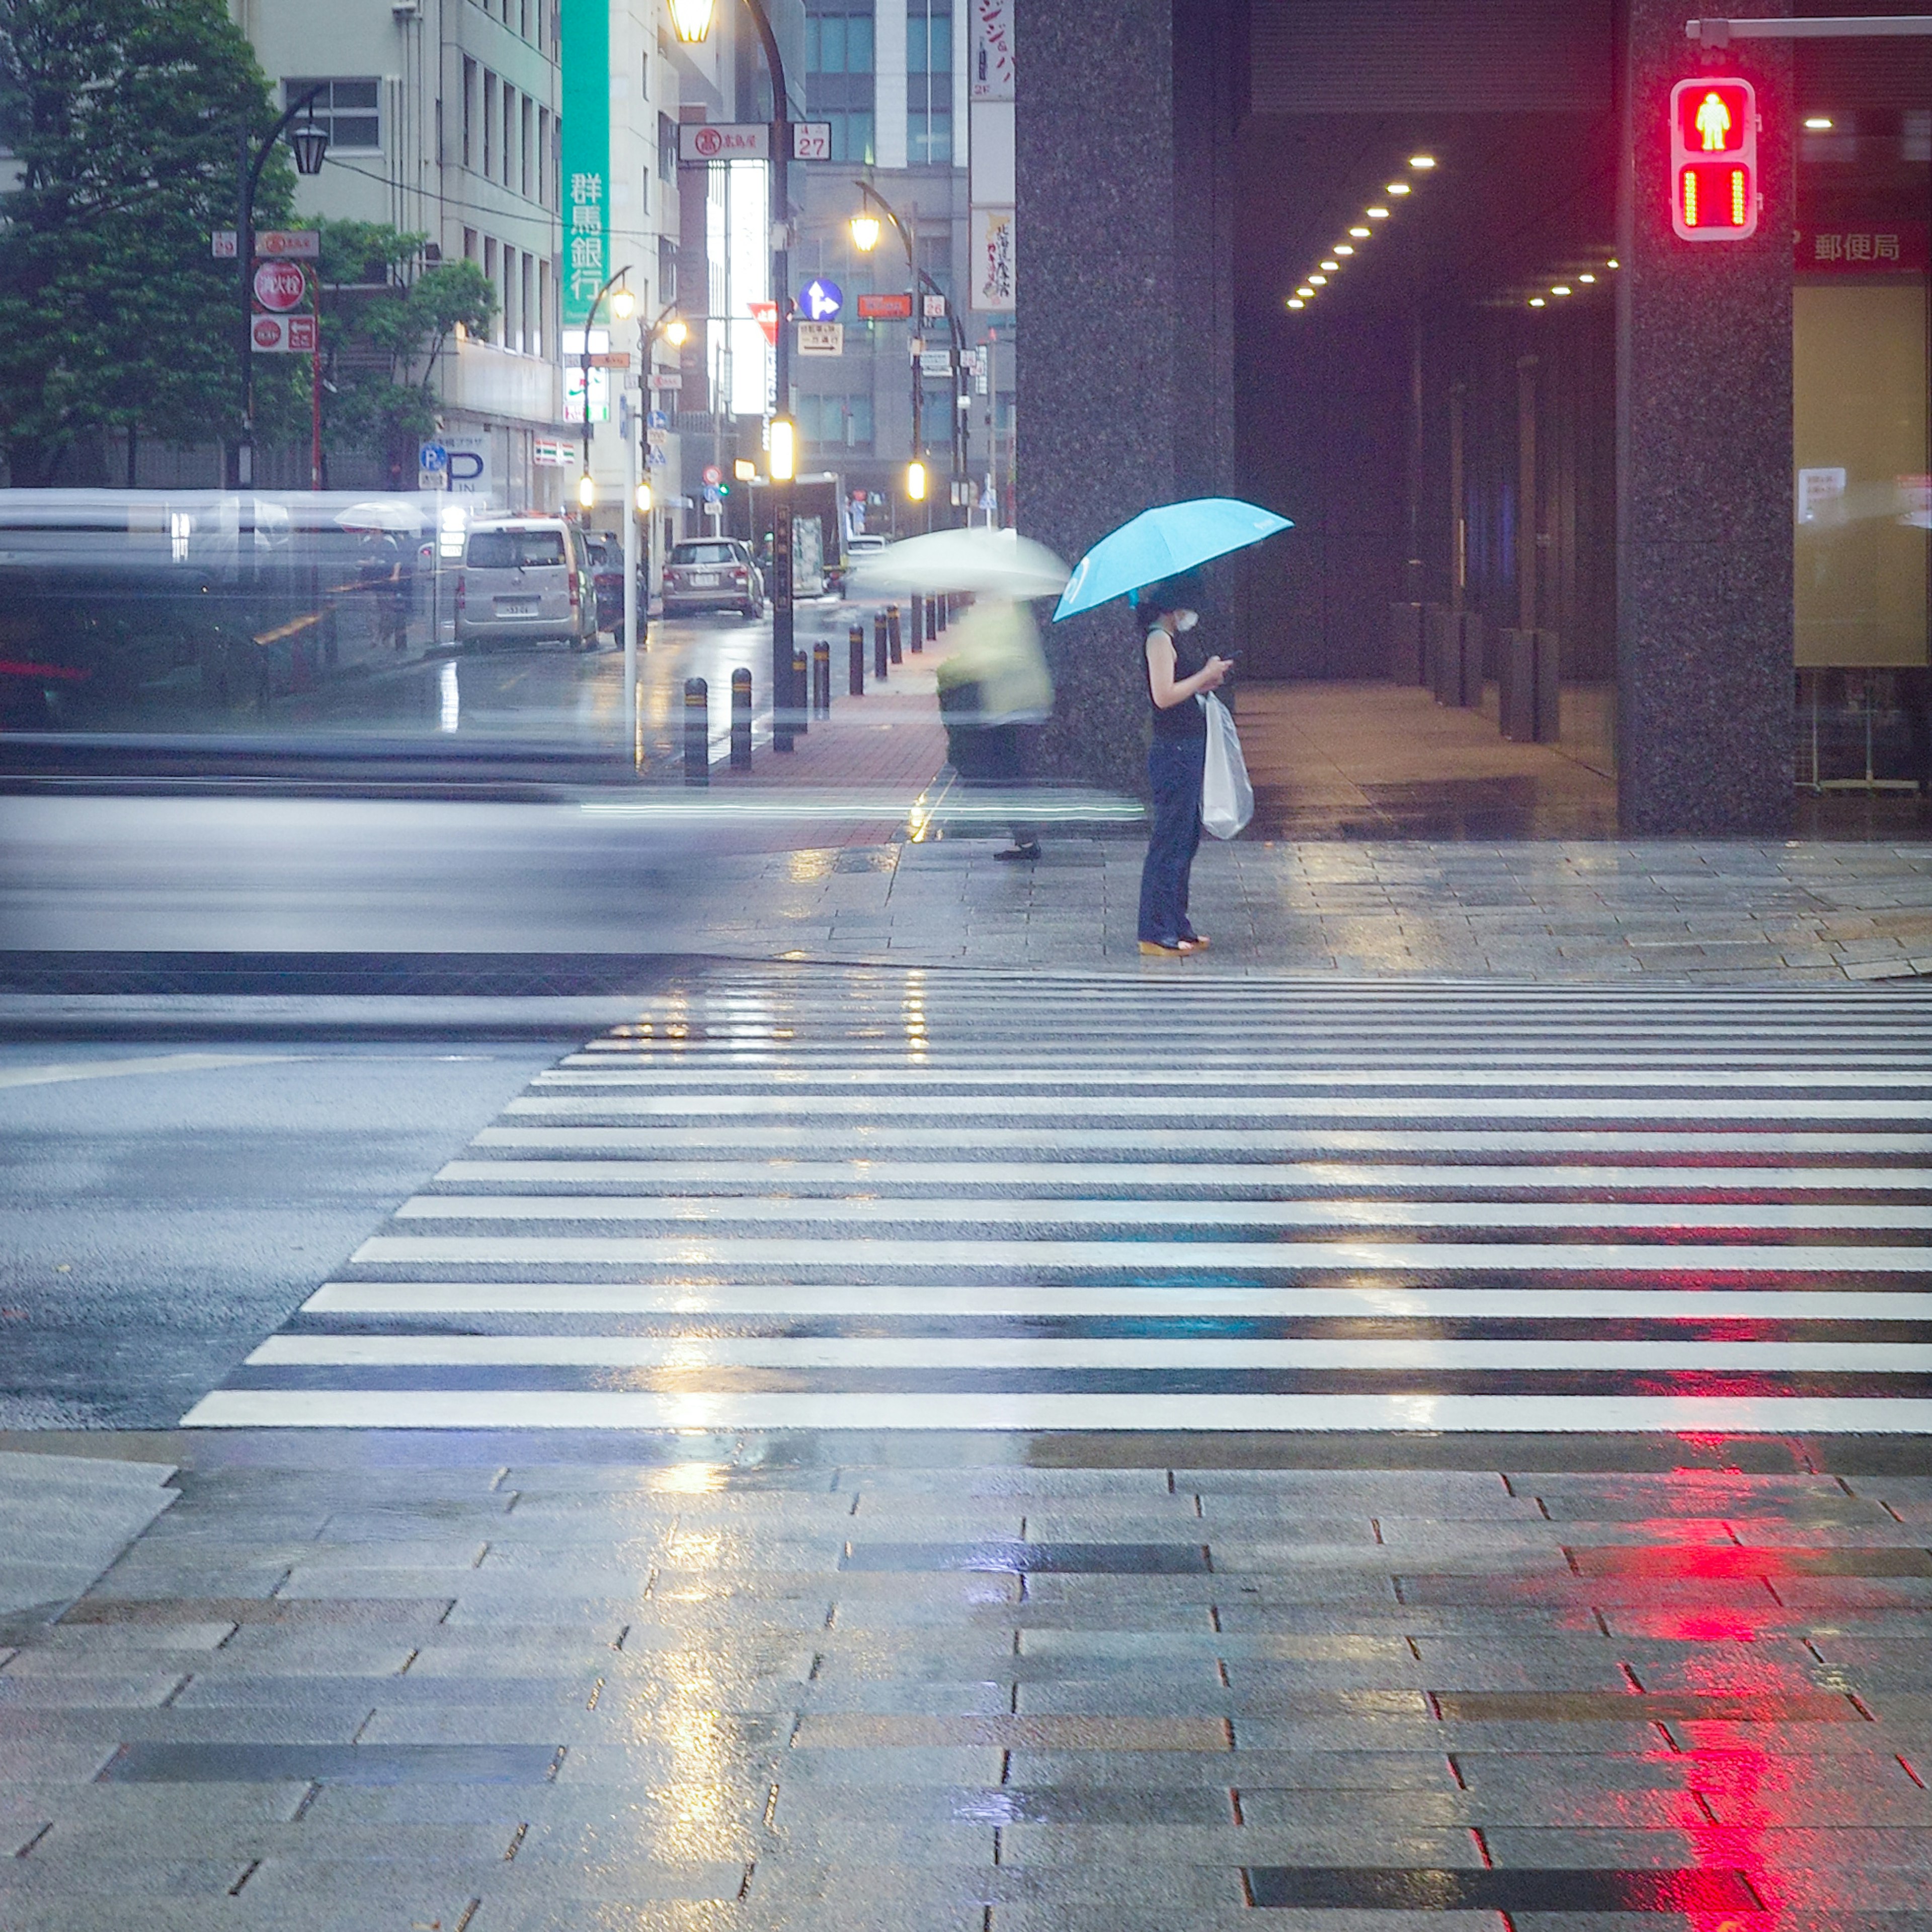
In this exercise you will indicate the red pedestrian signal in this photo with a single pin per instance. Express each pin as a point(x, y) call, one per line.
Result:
point(1714, 160)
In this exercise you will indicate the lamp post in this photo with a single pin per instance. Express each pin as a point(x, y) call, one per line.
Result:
point(311, 143)
point(865, 232)
point(622, 304)
point(691, 19)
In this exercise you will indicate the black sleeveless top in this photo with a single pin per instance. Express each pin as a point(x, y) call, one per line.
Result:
point(1187, 720)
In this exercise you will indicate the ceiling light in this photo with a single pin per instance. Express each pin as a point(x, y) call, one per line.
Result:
point(1331, 266)
point(1422, 161)
point(1320, 281)
point(1818, 123)
point(1360, 234)
point(1560, 289)
point(1396, 188)
point(1536, 302)
point(1295, 301)
point(1304, 290)
point(1378, 214)
point(1586, 278)
point(1612, 263)
point(1342, 248)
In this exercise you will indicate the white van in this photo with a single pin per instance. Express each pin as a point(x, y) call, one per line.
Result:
point(528, 578)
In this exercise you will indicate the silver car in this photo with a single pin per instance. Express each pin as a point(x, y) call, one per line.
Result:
point(525, 578)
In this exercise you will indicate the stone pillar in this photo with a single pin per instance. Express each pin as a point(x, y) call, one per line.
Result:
point(1704, 553)
point(1095, 232)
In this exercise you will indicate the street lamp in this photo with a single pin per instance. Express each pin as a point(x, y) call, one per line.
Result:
point(622, 305)
point(691, 20)
point(866, 232)
point(310, 143)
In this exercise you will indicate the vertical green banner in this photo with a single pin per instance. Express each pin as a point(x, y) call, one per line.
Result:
point(585, 34)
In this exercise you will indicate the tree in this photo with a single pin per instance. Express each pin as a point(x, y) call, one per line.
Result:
point(384, 329)
point(126, 118)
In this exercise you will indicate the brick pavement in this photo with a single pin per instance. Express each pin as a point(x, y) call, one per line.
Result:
point(988, 1683)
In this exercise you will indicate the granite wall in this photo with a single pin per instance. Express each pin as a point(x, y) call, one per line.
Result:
point(1704, 467)
point(1113, 300)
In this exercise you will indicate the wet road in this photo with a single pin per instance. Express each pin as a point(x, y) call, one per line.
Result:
point(547, 693)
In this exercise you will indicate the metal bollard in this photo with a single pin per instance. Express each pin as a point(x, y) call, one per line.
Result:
point(821, 678)
point(801, 671)
point(741, 721)
point(697, 732)
point(881, 628)
point(855, 676)
point(920, 605)
point(891, 632)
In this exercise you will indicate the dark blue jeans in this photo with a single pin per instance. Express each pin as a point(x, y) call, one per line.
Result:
point(1174, 773)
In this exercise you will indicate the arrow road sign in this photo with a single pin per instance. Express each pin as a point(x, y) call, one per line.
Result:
point(820, 300)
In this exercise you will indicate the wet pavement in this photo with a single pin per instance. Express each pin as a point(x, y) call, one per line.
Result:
point(1031, 1453)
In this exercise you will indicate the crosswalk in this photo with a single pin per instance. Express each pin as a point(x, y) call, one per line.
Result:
point(821, 1198)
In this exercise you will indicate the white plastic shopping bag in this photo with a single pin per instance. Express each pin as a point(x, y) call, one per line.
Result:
point(1227, 799)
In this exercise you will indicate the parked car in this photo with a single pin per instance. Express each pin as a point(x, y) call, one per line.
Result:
point(525, 578)
point(607, 572)
point(713, 574)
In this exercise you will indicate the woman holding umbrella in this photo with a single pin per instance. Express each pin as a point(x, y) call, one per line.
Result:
point(1150, 560)
point(1176, 672)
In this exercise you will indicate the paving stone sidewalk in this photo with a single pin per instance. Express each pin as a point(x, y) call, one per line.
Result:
point(1711, 912)
point(557, 1683)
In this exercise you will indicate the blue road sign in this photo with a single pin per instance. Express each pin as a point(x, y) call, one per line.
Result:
point(433, 457)
point(820, 300)
point(657, 419)
point(712, 494)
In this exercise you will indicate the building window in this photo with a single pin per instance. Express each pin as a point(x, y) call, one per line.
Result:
point(666, 148)
point(838, 47)
point(928, 83)
point(491, 88)
point(667, 268)
point(838, 40)
point(468, 113)
point(928, 137)
point(543, 156)
point(540, 325)
point(349, 109)
point(836, 422)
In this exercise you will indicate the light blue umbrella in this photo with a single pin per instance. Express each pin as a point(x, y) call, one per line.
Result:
point(1161, 542)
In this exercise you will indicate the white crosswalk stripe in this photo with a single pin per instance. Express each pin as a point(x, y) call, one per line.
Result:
point(850, 1199)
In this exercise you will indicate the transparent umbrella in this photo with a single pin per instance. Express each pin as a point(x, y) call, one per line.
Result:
point(381, 513)
point(989, 563)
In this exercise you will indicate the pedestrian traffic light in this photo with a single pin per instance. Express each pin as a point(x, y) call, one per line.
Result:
point(916, 482)
point(1714, 193)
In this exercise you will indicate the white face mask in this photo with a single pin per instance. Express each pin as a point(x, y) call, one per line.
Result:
point(1186, 620)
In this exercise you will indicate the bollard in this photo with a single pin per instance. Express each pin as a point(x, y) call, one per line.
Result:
point(800, 697)
point(697, 732)
point(855, 638)
point(892, 632)
point(920, 605)
point(821, 678)
point(741, 721)
point(881, 651)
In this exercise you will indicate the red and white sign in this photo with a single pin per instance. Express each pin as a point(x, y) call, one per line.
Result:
point(284, 334)
point(725, 141)
point(1863, 248)
point(811, 140)
point(293, 244)
point(281, 287)
point(766, 314)
point(885, 308)
point(713, 474)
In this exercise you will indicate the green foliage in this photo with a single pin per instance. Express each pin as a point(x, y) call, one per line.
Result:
point(126, 117)
point(381, 345)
